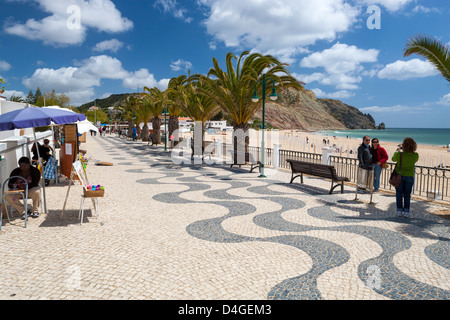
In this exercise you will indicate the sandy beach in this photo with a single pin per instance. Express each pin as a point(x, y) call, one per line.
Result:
point(312, 142)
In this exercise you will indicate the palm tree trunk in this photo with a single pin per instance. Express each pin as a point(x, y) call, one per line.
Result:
point(130, 126)
point(156, 137)
point(145, 132)
point(138, 131)
point(173, 127)
point(241, 138)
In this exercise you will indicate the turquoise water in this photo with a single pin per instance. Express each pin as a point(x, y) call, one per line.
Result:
point(436, 137)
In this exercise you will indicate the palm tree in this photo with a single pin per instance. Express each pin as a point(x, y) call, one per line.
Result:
point(145, 112)
point(173, 101)
point(233, 88)
point(128, 110)
point(433, 50)
point(156, 101)
point(199, 107)
point(16, 99)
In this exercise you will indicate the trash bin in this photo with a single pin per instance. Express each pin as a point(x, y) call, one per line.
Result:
point(364, 180)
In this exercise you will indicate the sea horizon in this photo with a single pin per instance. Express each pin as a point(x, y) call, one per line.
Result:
point(426, 136)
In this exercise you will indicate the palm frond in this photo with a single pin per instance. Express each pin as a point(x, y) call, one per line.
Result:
point(433, 50)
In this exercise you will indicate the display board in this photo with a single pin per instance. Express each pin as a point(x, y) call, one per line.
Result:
point(71, 136)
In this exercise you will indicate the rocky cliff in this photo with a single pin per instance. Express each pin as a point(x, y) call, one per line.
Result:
point(297, 109)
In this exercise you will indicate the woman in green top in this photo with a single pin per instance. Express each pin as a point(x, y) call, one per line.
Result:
point(409, 159)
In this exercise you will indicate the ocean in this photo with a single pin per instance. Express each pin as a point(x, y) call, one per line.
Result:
point(436, 137)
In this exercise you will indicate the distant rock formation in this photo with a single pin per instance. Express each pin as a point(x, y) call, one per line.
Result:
point(298, 109)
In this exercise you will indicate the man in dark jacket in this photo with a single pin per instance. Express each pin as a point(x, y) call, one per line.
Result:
point(33, 176)
point(364, 154)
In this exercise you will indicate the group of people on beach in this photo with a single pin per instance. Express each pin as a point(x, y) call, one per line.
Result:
point(372, 156)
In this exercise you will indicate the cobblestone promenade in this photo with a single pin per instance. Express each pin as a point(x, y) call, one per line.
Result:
point(170, 231)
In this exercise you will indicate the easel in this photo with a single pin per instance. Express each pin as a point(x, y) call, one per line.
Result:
point(79, 170)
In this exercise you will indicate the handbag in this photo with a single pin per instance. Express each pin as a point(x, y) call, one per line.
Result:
point(396, 178)
point(385, 165)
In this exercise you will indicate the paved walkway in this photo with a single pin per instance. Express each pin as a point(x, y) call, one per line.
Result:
point(169, 231)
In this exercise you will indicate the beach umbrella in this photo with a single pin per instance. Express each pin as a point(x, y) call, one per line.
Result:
point(32, 117)
point(83, 126)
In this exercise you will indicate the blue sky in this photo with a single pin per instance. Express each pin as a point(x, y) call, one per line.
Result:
point(90, 49)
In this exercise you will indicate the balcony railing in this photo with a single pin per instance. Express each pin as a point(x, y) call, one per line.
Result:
point(430, 182)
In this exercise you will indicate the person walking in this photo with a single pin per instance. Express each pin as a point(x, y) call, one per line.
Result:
point(379, 156)
point(409, 158)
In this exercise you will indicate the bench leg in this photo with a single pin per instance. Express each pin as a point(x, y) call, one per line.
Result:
point(299, 175)
point(337, 185)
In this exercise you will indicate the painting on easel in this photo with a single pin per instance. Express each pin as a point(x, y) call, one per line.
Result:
point(81, 173)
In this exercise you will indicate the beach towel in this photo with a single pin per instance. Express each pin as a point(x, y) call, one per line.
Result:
point(50, 169)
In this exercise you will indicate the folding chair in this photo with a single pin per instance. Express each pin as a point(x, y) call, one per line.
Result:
point(24, 194)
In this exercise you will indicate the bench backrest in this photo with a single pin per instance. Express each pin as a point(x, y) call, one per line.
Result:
point(315, 169)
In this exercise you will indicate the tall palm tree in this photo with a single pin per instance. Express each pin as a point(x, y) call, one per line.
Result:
point(156, 101)
point(173, 101)
point(433, 50)
point(233, 88)
point(145, 115)
point(199, 107)
point(128, 110)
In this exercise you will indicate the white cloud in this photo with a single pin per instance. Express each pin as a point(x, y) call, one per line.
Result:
point(99, 67)
point(282, 27)
point(80, 80)
point(445, 100)
point(422, 9)
point(9, 93)
point(112, 45)
point(143, 77)
point(4, 66)
point(61, 27)
point(173, 7)
point(342, 64)
point(391, 5)
point(341, 94)
point(403, 70)
point(395, 109)
point(181, 64)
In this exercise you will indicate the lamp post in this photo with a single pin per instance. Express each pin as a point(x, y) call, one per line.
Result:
point(165, 112)
point(255, 99)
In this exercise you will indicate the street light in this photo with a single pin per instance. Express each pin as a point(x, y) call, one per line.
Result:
point(255, 99)
point(165, 112)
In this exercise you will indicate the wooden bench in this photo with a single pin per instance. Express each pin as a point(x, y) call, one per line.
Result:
point(319, 170)
point(248, 159)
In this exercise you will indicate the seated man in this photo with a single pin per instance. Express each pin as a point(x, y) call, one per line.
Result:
point(33, 176)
